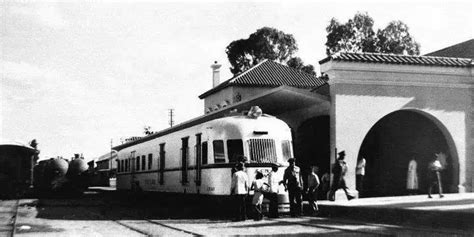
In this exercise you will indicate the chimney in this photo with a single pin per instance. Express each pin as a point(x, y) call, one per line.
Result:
point(215, 74)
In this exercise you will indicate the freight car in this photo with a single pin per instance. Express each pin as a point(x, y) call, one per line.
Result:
point(16, 168)
point(57, 175)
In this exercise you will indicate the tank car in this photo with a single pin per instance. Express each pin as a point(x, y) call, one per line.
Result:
point(77, 175)
point(51, 175)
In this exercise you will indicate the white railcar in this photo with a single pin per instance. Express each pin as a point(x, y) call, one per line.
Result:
point(197, 158)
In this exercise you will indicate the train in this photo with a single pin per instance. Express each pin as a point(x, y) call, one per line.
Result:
point(197, 157)
point(22, 175)
point(16, 168)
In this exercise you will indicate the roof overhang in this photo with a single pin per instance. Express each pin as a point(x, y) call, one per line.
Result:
point(277, 101)
point(281, 100)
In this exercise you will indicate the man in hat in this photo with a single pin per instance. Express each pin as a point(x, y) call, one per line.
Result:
point(293, 184)
point(339, 170)
point(435, 168)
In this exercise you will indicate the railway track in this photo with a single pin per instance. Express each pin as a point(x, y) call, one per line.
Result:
point(9, 213)
point(180, 231)
point(375, 228)
point(136, 224)
point(319, 224)
point(143, 230)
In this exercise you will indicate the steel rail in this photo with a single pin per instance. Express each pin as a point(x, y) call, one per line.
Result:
point(14, 218)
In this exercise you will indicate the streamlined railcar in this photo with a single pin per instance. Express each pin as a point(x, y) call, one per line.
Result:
point(198, 158)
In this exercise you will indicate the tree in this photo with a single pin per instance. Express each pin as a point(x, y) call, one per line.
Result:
point(34, 144)
point(357, 35)
point(265, 43)
point(396, 39)
point(298, 64)
point(147, 130)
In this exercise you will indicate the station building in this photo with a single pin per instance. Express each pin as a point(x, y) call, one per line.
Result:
point(386, 108)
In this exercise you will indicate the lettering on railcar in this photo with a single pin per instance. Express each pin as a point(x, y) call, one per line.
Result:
point(150, 182)
point(210, 189)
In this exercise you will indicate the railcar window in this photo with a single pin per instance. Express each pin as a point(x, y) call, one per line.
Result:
point(126, 165)
point(162, 163)
point(143, 162)
point(219, 155)
point(235, 149)
point(198, 159)
point(150, 161)
point(121, 165)
point(204, 153)
point(137, 163)
point(184, 160)
point(286, 146)
point(118, 168)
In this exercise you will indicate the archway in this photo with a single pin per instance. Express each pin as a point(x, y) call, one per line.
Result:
point(312, 145)
point(393, 141)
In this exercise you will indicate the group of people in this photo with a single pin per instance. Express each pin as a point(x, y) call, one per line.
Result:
point(292, 181)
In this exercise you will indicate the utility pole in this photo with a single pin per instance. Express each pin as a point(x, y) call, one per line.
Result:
point(171, 117)
point(110, 160)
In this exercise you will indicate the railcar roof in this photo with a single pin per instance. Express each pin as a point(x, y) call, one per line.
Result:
point(5, 143)
point(190, 123)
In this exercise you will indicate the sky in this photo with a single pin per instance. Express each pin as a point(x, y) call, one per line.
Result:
point(77, 75)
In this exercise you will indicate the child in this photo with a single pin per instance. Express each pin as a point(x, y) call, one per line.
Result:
point(258, 187)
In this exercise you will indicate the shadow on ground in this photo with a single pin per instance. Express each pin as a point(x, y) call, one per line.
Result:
point(115, 206)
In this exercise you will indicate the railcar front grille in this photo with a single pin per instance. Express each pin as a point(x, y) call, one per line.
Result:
point(262, 150)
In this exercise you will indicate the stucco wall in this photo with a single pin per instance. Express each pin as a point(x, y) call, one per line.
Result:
point(230, 94)
point(364, 93)
point(218, 98)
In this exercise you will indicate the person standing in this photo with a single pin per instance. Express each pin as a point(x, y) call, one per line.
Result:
point(293, 184)
point(435, 168)
point(258, 187)
point(412, 176)
point(239, 188)
point(360, 173)
point(312, 192)
point(325, 181)
point(272, 194)
point(339, 170)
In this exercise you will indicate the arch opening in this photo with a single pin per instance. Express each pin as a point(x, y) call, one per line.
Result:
point(396, 139)
point(312, 146)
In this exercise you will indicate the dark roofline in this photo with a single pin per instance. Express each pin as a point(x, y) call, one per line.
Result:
point(398, 59)
point(226, 83)
point(452, 47)
point(230, 81)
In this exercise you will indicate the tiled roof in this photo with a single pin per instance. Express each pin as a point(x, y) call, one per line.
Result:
point(269, 74)
point(461, 50)
point(399, 59)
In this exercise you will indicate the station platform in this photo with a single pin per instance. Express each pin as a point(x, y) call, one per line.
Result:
point(453, 211)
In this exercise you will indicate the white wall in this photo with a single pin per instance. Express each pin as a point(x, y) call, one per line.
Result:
point(362, 94)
